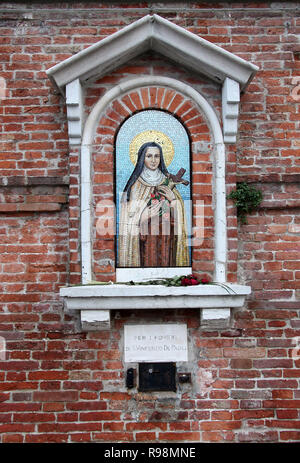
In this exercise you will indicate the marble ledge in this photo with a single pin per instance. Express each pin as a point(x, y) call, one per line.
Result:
point(96, 301)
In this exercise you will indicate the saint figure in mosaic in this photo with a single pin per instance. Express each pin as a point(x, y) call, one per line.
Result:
point(153, 230)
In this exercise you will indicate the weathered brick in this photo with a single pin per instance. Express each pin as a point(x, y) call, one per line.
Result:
point(64, 396)
point(252, 352)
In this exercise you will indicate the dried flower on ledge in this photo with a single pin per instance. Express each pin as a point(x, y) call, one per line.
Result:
point(183, 280)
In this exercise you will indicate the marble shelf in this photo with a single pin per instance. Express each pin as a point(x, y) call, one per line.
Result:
point(95, 302)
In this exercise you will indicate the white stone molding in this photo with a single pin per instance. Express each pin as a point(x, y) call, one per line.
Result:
point(220, 218)
point(219, 177)
point(95, 320)
point(230, 109)
point(96, 301)
point(152, 32)
point(74, 103)
point(215, 318)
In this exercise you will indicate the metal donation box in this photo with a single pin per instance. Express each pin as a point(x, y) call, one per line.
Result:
point(157, 377)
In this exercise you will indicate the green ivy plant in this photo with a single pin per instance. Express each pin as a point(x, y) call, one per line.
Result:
point(246, 199)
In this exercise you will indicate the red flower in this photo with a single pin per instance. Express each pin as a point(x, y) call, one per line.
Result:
point(192, 280)
point(189, 280)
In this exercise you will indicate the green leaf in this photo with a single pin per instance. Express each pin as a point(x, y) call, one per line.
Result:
point(246, 199)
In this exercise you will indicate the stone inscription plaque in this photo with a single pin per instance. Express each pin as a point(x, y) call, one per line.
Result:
point(155, 343)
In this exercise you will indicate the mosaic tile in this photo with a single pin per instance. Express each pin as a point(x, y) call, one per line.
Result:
point(164, 129)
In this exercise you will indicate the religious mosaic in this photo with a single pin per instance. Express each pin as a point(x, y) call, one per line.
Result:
point(153, 191)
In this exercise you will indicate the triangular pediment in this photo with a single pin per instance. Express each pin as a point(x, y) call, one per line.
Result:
point(153, 32)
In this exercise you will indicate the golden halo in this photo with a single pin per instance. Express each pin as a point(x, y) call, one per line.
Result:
point(155, 136)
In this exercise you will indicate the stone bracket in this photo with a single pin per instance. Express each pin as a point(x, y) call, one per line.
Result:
point(95, 320)
point(230, 109)
point(215, 318)
point(74, 102)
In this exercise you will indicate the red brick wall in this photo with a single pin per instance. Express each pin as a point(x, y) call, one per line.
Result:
point(61, 385)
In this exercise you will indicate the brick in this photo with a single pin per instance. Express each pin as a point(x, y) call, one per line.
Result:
point(282, 403)
point(160, 96)
point(115, 396)
point(17, 428)
point(264, 436)
point(212, 436)
point(100, 416)
point(221, 415)
point(180, 436)
point(147, 426)
point(135, 98)
point(33, 207)
point(19, 365)
point(11, 386)
point(290, 436)
point(65, 396)
point(46, 438)
point(287, 414)
point(239, 363)
point(220, 425)
point(90, 405)
point(112, 437)
point(127, 102)
point(247, 414)
point(145, 97)
point(81, 437)
point(53, 407)
point(255, 352)
point(12, 438)
point(145, 437)
point(168, 96)
point(33, 417)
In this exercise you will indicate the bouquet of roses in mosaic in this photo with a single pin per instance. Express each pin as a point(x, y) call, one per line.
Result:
point(155, 197)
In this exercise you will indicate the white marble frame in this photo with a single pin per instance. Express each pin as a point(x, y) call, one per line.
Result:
point(220, 252)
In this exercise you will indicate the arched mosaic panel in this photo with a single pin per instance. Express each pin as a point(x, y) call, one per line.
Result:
point(153, 191)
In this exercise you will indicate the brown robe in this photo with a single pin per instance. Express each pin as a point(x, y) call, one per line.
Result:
point(170, 249)
point(158, 242)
